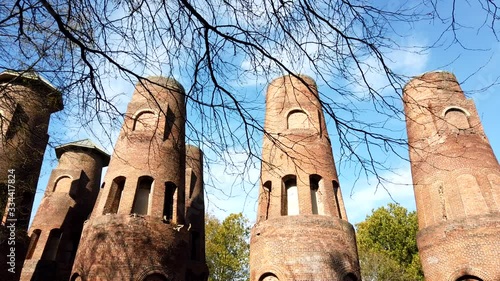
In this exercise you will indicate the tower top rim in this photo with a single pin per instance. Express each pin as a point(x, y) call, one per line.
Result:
point(10, 75)
point(53, 93)
point(167, 82)
point(437, 71)
point(84, 144)
point(308, 79)
point(431, 80)
point(193, 147)
point(433, 76)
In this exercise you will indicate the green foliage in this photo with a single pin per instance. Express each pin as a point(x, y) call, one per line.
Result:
point(227, 248)
point(387, 245)
point(376, 266)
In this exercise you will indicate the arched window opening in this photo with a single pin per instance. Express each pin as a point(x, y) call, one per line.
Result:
point(194, 178)
point(350, 277)
point(267, 187)
point(169, 123)
point(168, 204)
point(4, 213)
point(3, 123)
point(63, 184)
point(195, 245)
point(114, 196)
point(141, 199)
point(26, 202)
point(155, 277)
point(469, 278)
point(456, 119)
point(33, 242)
point(68, 250)
point(336, 194)
point(319, 124)
point(18, 119)
point(50, 251)
point(292, 196)
point(145, 120)
point(316, 195)
point(268, 277)
point(76, 277)
point(298, 119)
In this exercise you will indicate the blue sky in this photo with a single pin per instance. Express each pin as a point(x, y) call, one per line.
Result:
point(474, 60)
point(475, 64)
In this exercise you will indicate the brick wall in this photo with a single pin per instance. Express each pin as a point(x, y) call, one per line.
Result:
point(456, 181)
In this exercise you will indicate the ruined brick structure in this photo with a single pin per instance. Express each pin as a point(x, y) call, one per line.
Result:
point(139, 229)
point(197, 269)
point(26, 103)
point(68, 201)
point(147, 218)
point(456, 181)
point(302, 232)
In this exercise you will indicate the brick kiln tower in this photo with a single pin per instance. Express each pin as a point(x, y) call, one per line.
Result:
point(138, 229)
point(26, 103)
point(197, 269)
point(456, 180)
point(302, 231)
point(68, 201)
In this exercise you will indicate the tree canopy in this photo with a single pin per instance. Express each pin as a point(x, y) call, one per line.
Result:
point(217, 47)
point(224, 53)
point(387, 245)
point(227, 248)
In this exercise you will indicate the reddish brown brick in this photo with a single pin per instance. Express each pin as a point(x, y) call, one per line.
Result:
point(26, 103)
point(68, 200)
point(456, 181)
point(138, 229)
point(308, 238)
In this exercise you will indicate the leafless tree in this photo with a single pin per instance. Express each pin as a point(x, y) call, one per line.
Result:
point(223, 50)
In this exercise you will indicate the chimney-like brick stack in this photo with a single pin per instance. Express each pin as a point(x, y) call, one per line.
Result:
point(302, 232)
point(456, 181)
point(26, 103)
point(68, 201)
point(138, 229)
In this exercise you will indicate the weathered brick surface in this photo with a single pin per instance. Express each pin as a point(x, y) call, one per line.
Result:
point(317, 243)
point(128, 247)
point(26, 103)
point(468, 246)
point(148, 152)
point(119, 245)
point(304, 247)
point(68, 200)
point(197, 268)
point(456, 181)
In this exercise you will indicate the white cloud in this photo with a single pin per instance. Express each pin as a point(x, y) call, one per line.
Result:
point(409, 60)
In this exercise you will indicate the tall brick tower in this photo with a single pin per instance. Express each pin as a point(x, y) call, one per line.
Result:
point(137, 230)
point(68, 201)
point(26, 103)
point(456, 181)
point(197, 269)
point(302, 231)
